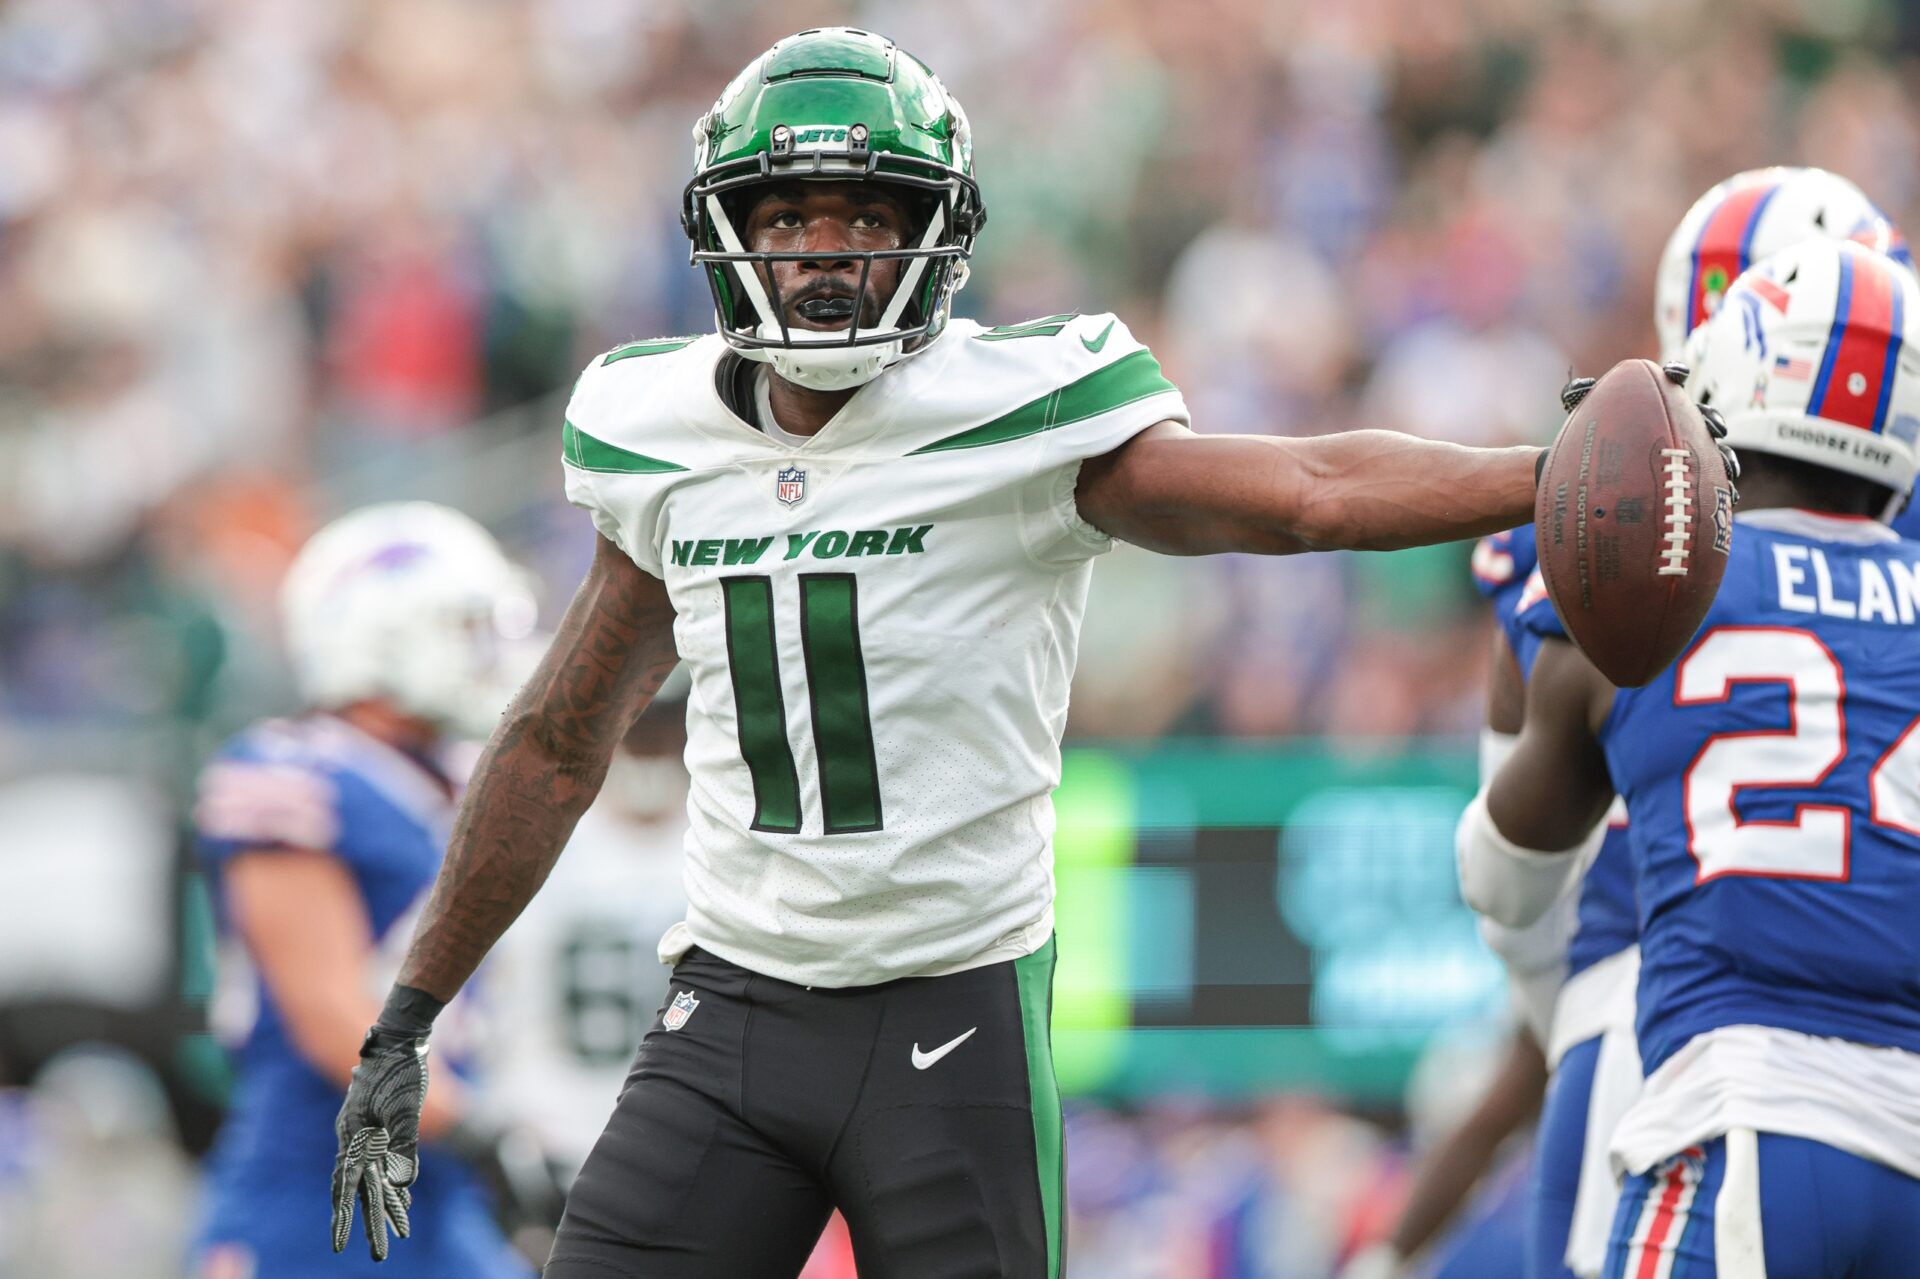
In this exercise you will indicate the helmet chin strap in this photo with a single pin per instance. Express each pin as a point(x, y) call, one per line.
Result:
point(1896, 504)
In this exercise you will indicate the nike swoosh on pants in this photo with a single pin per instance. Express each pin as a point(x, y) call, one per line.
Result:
point(922, 1060)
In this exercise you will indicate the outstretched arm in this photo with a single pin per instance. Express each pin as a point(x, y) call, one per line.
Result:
point(543, 767)
point(1170, 490)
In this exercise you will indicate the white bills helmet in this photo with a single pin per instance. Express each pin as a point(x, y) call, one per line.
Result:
point(1749, 217)
point(1815, 355)
point(412, 603)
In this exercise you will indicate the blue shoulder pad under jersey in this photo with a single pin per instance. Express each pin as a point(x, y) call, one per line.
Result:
point(1773, 773)
point(1907, 523)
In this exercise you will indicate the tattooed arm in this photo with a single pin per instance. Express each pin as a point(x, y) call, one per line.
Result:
point(543, 766)
point(1172, 491)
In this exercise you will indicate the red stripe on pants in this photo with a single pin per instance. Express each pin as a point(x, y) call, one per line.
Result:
point(1662, 1223)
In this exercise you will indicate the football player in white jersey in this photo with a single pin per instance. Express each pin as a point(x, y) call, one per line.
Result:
point(867, 530)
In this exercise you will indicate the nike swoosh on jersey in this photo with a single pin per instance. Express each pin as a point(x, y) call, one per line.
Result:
point(1100, 341)
point(922, 1060)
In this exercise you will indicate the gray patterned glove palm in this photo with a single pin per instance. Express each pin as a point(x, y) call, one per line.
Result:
point(379, 1134)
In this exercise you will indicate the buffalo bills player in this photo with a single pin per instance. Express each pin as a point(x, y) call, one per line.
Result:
point(1576, 969)
point(323, 832)
point(1774, 777)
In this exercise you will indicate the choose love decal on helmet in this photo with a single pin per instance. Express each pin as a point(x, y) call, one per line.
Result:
point(1813, 356)
point(842, 105)
point(1750, 217)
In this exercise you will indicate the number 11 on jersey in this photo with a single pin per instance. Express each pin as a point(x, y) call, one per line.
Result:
point(836, 696)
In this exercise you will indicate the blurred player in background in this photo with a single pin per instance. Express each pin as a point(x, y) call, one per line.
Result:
point(1464, 1212)
point(1578, 966)
point(577, 976)
point(322, 833)
point(868, 532)
point(1772, 775)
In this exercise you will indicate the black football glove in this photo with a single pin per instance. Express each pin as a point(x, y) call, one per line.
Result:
point(1716, 427)
point(1576, 390)
point(378, 1128)
point(379, 1135)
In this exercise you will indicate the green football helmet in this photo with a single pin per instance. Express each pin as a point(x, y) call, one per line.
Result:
point(834, 104)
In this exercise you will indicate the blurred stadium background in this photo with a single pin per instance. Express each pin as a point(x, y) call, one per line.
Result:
point(261, 260)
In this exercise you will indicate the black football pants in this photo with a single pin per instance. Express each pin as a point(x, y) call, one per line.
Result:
point(923, 1109)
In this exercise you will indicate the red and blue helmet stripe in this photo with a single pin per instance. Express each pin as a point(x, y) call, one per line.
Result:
point(1724, 247)
point(1855, 381)
point(1879, 233)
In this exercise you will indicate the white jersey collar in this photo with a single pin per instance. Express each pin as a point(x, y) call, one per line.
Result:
point(1819, 526)
point(871, 409)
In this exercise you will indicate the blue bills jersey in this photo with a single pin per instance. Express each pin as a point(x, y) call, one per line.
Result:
point(1501, 566)
point(1773, 773)
point(1505, 571)
point(319, 784)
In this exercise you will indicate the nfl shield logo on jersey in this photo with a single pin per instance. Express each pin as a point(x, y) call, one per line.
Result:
point(682, 1008)
point(790, 485)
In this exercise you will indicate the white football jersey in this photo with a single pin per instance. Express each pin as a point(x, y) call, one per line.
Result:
point(880, 622)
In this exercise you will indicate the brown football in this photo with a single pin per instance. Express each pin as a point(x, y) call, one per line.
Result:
point(1634, 518)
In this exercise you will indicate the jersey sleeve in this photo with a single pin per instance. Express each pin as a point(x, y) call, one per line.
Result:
point(1532, 621)
point(1502, 562)
point(1112, 389)
point(252, 798)
point(619, 480)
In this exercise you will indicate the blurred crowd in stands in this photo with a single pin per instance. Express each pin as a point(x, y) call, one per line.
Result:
point(264, 259)
point(260, 259)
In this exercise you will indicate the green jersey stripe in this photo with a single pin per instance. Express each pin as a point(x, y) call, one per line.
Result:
point(1130, 378)
point(588, 454)
point(1034, 977)
point(657, 346)
point(760, 710)
point(1046, 326)
point(837, 685)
